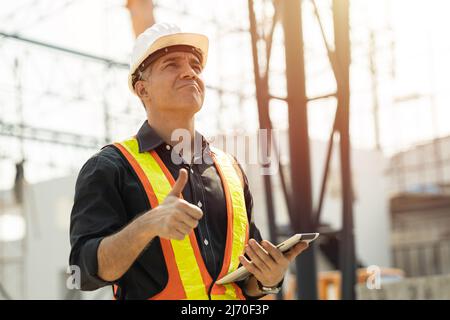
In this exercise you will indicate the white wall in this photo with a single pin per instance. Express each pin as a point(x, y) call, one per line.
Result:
point(48, 207)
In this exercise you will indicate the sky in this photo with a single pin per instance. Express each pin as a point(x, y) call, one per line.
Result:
point(66, 93)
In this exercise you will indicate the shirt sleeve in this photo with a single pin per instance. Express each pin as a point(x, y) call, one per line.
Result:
point(97, 212)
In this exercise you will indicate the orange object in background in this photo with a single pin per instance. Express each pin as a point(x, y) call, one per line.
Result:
point(141, 12)
point(327, 279)
point(333, 278)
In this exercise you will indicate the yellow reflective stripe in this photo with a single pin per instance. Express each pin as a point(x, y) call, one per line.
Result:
point(153, 172)
point(184, 253)
point(230, 294)
point(240, 221)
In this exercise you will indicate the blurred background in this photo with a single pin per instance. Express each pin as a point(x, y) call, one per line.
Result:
point(358, 92)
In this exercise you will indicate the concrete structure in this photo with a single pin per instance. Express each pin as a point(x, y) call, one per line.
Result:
point(423, 288)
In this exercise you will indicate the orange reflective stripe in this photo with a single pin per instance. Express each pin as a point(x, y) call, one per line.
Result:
point(174, 289)
point(115, 288)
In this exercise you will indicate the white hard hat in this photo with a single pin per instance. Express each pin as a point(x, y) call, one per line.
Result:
point(160, 36)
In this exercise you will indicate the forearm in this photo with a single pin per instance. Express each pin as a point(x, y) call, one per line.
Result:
point(117, 252)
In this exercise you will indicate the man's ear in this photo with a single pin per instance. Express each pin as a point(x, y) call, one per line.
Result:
point(141, 90)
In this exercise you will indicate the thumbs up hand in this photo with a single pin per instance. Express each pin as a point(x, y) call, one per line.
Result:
point(178, 187)
point(175, 218)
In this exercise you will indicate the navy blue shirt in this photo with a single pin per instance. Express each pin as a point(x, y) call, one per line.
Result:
point(109, 195)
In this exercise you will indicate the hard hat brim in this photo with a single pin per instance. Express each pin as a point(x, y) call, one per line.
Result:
point(195, 40)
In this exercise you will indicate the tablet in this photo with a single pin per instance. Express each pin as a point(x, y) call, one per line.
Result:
point(241, 273)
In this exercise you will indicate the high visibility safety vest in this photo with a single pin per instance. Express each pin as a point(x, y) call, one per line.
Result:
point(188, 277)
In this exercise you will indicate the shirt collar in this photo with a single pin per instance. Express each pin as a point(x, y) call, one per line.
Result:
point(148, 139)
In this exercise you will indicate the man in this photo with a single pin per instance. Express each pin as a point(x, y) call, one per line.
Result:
point(153, 222)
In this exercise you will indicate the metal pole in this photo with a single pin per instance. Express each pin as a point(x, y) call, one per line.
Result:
point(262, 101)
point(326, 170)
point(347, 248)
point(299, 144)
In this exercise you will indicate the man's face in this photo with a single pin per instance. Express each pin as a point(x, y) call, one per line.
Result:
point(173, 83)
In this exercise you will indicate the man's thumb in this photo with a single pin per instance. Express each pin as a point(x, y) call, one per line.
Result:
point(179, 184)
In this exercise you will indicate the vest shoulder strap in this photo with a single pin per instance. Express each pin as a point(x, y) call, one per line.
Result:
point(233, 161)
